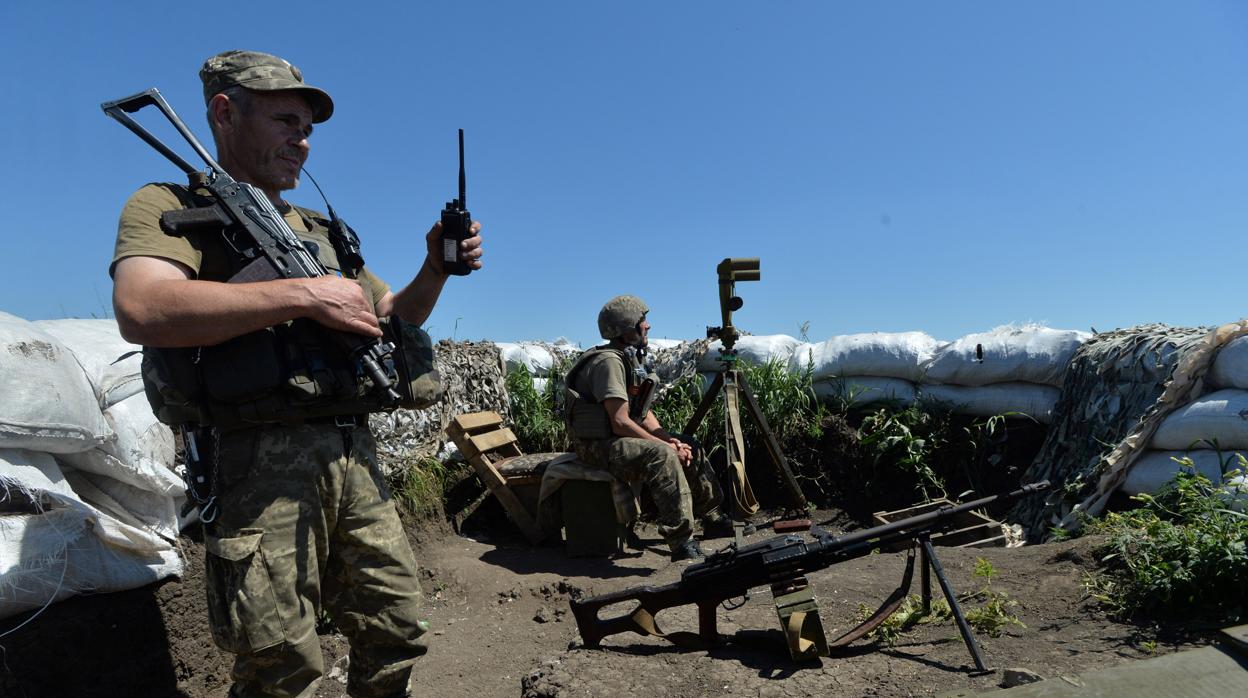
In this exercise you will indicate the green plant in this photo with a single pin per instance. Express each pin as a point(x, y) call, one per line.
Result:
point(534, 420)
point(1182, 553)
point(903, 442)
point(908, 615)
point(325, 624)
point(996, 608)
point(419, 488)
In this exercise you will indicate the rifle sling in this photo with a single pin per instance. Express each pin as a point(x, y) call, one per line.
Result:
point(885, 610)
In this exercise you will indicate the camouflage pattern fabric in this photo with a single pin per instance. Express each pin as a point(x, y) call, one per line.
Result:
point(307, 524)
point(656, 466)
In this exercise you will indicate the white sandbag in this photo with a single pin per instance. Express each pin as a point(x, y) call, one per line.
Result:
point(754, 349)
point(886, 354)
point(863, 390)
point(67, 546)
point(1031, 354)
point(99, 348)
point(1230, 366)
point(48, 557)
point(1035, 401)
point(656, 343)
point(142, 454)
point(1151, 471)
point(130, 505)
point(38, 477)
point(534, 357)
point(46, 402)
point(1216, 420)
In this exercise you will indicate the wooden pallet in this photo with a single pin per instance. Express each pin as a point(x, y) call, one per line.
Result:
point(490, 447)
point(971, 529)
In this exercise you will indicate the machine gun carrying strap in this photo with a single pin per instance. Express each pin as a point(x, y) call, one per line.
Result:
point(742, 492)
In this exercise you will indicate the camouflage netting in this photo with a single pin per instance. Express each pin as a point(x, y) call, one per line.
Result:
point(1119, 387)
point(676, 363)
point(472, 381)
point(473, 376)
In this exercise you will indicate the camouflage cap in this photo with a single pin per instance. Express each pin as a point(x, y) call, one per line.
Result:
point(261, 71)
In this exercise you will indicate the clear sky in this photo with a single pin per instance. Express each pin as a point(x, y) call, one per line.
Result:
point(937, 166)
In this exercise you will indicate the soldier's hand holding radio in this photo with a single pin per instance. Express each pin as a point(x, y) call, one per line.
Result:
point(469, 249)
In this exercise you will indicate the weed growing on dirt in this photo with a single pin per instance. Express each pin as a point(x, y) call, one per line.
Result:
point(908, 615)
point(1183, 553)
point(535, 421)
point(420, 487)
point(996, 609)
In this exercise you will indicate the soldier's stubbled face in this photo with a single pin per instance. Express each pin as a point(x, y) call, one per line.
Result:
point(266, 144)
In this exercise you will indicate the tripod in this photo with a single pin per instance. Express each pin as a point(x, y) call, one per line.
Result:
point(736, 389)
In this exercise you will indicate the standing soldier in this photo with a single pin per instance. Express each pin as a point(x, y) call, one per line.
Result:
point(613, 428)
point(304, 521)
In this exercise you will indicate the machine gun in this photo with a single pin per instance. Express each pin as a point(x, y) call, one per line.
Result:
point(273, 248)
point(782, 562)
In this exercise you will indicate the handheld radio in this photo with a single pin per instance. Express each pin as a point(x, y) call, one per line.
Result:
point(456, 223)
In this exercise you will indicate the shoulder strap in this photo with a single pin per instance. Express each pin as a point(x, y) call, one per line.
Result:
point(346, 243)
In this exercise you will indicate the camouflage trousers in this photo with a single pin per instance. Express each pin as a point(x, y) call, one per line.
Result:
point(679, 493)
point(307, 526)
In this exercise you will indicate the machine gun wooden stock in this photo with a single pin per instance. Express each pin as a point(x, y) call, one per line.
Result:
point(733, 572)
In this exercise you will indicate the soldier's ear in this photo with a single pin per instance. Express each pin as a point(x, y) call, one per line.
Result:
point(222, 113)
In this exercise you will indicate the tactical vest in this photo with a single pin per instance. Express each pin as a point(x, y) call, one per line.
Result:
point(287, 373)
point(587, 419)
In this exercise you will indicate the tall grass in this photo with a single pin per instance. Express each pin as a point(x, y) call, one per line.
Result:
point(883, 455)
point(535, 416)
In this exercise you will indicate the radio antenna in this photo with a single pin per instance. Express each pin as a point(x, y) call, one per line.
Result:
point(463, 186)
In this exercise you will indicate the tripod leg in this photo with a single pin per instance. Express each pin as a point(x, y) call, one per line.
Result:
point(695, 421)
point(963, 626)
point(773, 446)
point(926, 583)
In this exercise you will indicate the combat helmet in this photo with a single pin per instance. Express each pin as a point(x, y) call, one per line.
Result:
point(619, 315)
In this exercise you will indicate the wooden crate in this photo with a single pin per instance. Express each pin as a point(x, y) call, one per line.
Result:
point(492, 451)
point(970, 530)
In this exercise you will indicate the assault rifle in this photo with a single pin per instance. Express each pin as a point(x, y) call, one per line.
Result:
point(781, 562)
point(276, 252)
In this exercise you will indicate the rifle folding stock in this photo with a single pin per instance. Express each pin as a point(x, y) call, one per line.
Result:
point(733, 572)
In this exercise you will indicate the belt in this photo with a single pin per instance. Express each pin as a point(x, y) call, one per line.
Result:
point(342, 421)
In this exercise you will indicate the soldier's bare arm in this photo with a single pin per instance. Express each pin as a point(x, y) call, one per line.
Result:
point(159, 304)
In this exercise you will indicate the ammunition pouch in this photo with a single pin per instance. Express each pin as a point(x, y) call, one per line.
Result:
point(286, 373)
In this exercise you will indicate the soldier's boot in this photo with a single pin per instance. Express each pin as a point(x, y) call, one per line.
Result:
point(689, 550)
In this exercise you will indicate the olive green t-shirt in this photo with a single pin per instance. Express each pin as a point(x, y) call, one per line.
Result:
point(139, 235)
point(604, 377)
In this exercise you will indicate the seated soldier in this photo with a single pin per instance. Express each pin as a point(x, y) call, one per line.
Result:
point(612, 427)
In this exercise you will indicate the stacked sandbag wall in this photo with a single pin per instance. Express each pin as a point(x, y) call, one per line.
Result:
point(1211, 431)
point(1006, 370)
point(87, 493)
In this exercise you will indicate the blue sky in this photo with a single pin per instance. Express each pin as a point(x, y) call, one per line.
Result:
point(945, 167)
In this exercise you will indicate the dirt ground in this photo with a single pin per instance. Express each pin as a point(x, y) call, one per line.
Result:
point(502, 627)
